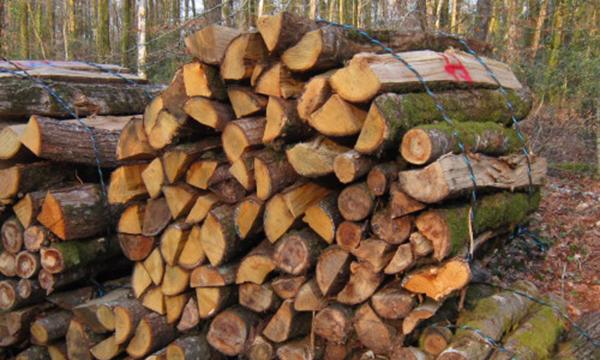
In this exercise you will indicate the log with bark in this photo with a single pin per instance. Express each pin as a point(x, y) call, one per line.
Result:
point(152, 333)
point(18, 180)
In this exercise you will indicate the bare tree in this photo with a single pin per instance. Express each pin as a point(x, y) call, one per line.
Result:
point(141, 43)
point(482, 20)
point(535, 42)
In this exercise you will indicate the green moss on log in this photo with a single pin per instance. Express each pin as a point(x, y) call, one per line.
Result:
point(83, 252)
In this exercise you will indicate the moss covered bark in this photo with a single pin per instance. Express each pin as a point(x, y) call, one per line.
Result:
point(70, 254)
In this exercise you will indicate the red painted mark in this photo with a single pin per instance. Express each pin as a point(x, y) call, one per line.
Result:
point(456, 69)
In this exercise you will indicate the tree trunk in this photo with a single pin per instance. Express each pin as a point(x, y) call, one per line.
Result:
point(141, 39)
point(24, 29)
point(127, 31)
point(68, 255)
point(103, 29)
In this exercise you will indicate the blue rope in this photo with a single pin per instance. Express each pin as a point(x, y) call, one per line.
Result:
point(493, 342)
point(525, 234)
point(437, 104)
point(129, 81)
point(89, 131)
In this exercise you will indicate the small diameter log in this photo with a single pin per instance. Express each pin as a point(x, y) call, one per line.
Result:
point(449, 177)
point(438, 281)
point(349, 234)
point(159, 355)
point(248, 217)
point(356, 202)
point(87, 312)
point(333, 270)
point(152, 334)
point(302, 349)
point(231, 330)
point(258, 298)
point(278, 81)
point(448, 229)
point(277, 218)
point(175, 280)
point(229, 191)
point(392, 301)
point(286, 287)
point(172, 241)
point(107, 349)
point(207, 170)
point(428, 143)
point(174, 306)
point(380, 336)
point(190, 348)
point(80, 339)
point(209, 276)
point(106, 311)
point(156, 217)
point(391, 230)
point(324, 217)
point(241, 135)
point(50, 327)
point(192, 254)
point(154, 300)
point(133, 142)
point(376, 252)
point(575, 345)
point(203, 80)
point(310, 298)
point(10, 299)
point(170, 129)
point(29, 207)
point(315, 157)
point(297, 252)
point(381, 176)
point(283, 30)
point(128, 315)
point(421, 245)
point(34, 353)
point(136, 247)
point(16, 324)
point(35, 237)
point(334, 323)
point(211, 113)
point(176, 160)
point(273, 172)
point(242, 55)
point(351, 165)
point(283, 122)
point(260, 349)
point(302, 195)
point(494, 316)
point(316, 92)
point(287, 323)
point(21, 179)
point(132, 219)
point(8, 264)
point(154, 266)
point(363, 283)
point(67, 300)
point(127, 184)
point(30, 288)
point(208, 45)
point(401, 204)
point(245, 101)
point(204, 203)
point(12, 235)
point(140, 280)
point(190, 317)
point(368, 75)
point(154, 178)
point(243, 170)
point(349, 118)
point(151, 113)
point(257, 265)
point(27, 264)
point(68, 255)
point(435, 339)
point(58, 351)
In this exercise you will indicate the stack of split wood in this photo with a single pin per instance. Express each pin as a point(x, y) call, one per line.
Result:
point(293, 193)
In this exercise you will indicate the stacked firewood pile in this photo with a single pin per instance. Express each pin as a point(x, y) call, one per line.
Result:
point(292, 193)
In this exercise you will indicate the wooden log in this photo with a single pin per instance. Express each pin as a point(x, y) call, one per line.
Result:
point(51, 282)
point(30, 288)
point(349, 118)
point(368, 75)
point(394, 231)
point(174, 306)
point(176, 160)
point(107, 349)
point(67, 300)
point(132, 219)
point(315, 157)
point(29, 207)
point(278, 81)
point(204, 203)
point(175, 280)
point(287, 323)
point(159, 355)
point(208, 45)
point(410, 353)
point(376, 252)
point(258, 298)
point(208, 169)
point(381, 176)
point(248, 217)
point(297, 251)
point(283, 30)
point(80, 339)
point(356, 202)
point(575, 344)
point(140, 279)
point(363, 283)
point(229, 191)
point(128, 315)
point(333, 270)
point(51, 327)
point(136, 247)
point(301, 195)
point(11, 147)
point(154, 266)
point(324, 217)
point(241, 56)
point(316, 92)
point(21, 179)
point(203, 80)
point(349, 234)
point(152, 333)
point(35, 237)
point(260, 349)
point(231, 330)
point(34, 353)
point(127, 184)
point(256, 266)
point(245, 101)
point(174, 97)
point(17, 322)
point(421, 245)
point(169, 129)
point(391, 115)
point(106, 311)
point(448, 229)
point(273, 172)
point(351, 165)
point(192, 254)
point(154, 300)
point(8, 264)
point(68, 255)
point(27, 264)
point(309, 297)
point(278, 218)
point(435, 339)
point(209, 276)
point(494, 316)
point(87, 312)
point(392, 301)
point(12, 235)
point(190, 318)
point(286, 286)
point(401, 204)
point(283, 122)
point(438, 281)
point(172, 241)
point(334, 323)
point(382, 337)
point(208, 112)
point(154, 178)
point(58, 351)
point(156, 217)
point(151, 112)
point(191, 347)
point(133, 142)
point(243, 170)
point(241, 135)
point(301, 349)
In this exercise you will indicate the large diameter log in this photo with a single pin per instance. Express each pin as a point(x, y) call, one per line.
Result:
point(349, 118)
point(208, 45)
point(20, 179)
point(494, 316)
point(75, 212)
point(127, 184)
point(152, 334)
point(297, 251)
point(575, 345)
point(449, 176)
point(53, 139)
point(273, 173)
point(68, 255)
point(230, 331)
point(12, 235)
point(368, 75)
point(133, 142)
point(391, 115)
point(448, 228)
point(242, 55)
point(315, 157)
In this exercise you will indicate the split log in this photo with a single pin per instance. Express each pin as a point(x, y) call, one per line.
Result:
point(257, 265)
point(356, 202)
point(287, 323)
point(208, 45)
point(448, 229)
point(29, 207)
point(128, 315)
point(68, 255)
point(154, 266)
point(381, 176)
point(241, 135)
point(273, 172)
point(382, 337)
point(172, 241)
point(151, 114)
point(258, 298)
point(286, 287)
point(421, 245)
point(438, 281)
point(174, 97)
point(12, 235)
point(260, 349)
point(17, 322)
point(378, 253)
point(363, 283)
point(106, 311)
point(243, 170)
point(209, 276)
point(349, 118)
point(241, 55)
point(368, 75)
point(11, 147)
point(208, 112)
point(51, 327)
point(278, 81)
point(333, 270)
point(229, 191)
point(174, 306)
point(210, 168)
point(314, 158)
point(159, 355)
point(34, 353)
point(205, 202)
point(349, 234)
point(494, 316)
point(351, 165)
point(27, 264)
point(80, 340)
point(133, 142)
point(140, 280)
point(132, 219)
point(302, 195)
point(58, 351)
point(334, 323)
point(231, 330)
point(435, 339)
point(87, 312)
point(192, 254)
point(248, 217)
point(245, 101)
point(8, 264)
point(21, 179)
point(107, 349)
point(152, 333)
point(175, 281)
point(576, 345)
point(401, 204)
point(392, 301)
point(177, 160)
point(391, 115)
point(154, 178)
point(393, 231)
point(402, 260)
point(136, 247)
point(169, 129)
point(191, 347)
point(154, 300)
point(297, 251)
point(283, 122)
point(203, 80)
point(190, 318)
point(310, 298)
point(278, 218)
point(30, 288)
point(283, 30)
point(302, 349)
point(324, 217)
point(156, 217)
point(127, 184)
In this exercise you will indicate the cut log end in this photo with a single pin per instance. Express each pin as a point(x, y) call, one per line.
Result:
point(416, 147)
point(439, 281)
